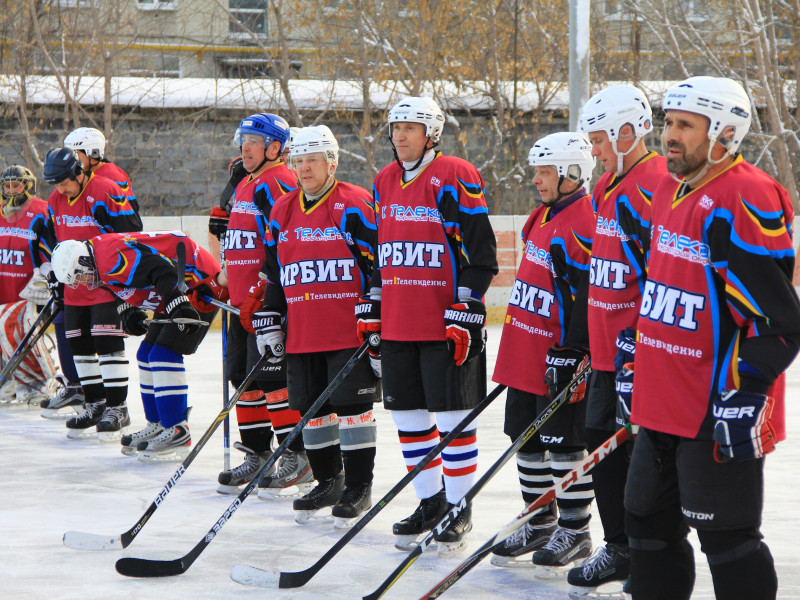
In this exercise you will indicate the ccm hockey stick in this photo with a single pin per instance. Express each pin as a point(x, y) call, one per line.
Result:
point(78, 540)
point(142, 567)
point(585, 466)
point(37, 330)
point(257, 577)
point(579, 379)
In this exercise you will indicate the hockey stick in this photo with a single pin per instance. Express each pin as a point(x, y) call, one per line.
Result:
point(45, 317)
point(143, 567)
point(526, 435)
point(223, 305)
point(177, 321)
point(254, 576)
point(180, 266)
point(78, 540)
point(226, 424)
point(585, 466)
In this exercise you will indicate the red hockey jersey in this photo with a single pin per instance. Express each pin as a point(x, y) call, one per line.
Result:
point(620, 248)
point(115, 173)
point(555, 266)
point(718, 303)
point(248, 228)
point(139, 268)
point(101, 207)
point(320, 258)
point(434, 235)
point(23, 247)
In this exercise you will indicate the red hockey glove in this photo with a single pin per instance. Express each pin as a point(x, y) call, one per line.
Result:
point(626, 348)
point(218, 222)
point(624, 385)
point(465, 328)
point(742, 429)
point(562, 366)
point(251, 304)
point(368, 313)
point(208, 287)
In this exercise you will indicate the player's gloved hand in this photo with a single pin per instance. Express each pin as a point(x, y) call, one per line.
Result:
point(368, 313)
point(132, 319)
point(269, 334)
point(465, 328)
point(218, 222)
point(626, 348)
point(624, 385)
point(742, 429)
point(179, 307)
point(252, 304)
point(56, 287)
point(208, 287)
point(563, 364)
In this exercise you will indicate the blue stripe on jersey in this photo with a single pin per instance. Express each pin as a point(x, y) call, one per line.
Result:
point(713, 301)
point(726, 215)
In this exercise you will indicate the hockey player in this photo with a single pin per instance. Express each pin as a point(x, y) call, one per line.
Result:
point(319, 256)
point(616, 121)
point(545, 329)
point(436, 259)
point(718, 324)
point(266, 178)
point(139, 268)
point(84, 205)
point(24, 245)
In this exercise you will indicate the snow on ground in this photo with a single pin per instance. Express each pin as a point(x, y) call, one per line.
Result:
point(51, 485)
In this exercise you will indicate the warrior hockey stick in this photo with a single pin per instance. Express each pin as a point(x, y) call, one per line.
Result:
point(78, 540)
point(37, 330)
point(526, 435)
point(142, 567)
point(254, 576)
point(585, 466)
point(177, 321)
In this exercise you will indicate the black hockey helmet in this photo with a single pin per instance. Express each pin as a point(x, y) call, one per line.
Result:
point(16, 174)
point(60, 164)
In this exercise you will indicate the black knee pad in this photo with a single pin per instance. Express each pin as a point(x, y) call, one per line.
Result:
point(743, 572)
point(661, 570)
point(667, 525)
point(109, 344)
point(82, 345)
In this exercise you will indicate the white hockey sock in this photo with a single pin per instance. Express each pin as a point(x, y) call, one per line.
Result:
point(460, 457)
point(418, 436)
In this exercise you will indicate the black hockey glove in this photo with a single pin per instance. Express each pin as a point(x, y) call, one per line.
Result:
point(218, 222)
point(624, 385)
point(563, 364)
point(368, 313)
point(56, 288)
point(177, 306)
point(465, 328)
point(269, 334)
point(626, 348)
point(742, 429)
point(132, 319)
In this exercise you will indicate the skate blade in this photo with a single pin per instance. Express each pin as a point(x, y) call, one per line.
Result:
point(512, 562)
point(554, 572)
point(177, 455)
point(127, 451)
point(344, 523)
point(65, 412)
point(304, 517)
point(82, 434)
point(229, 490)
point(612, 590)
point(112, 436)
point(408, 543)
point(292, 491)
point(448, 549)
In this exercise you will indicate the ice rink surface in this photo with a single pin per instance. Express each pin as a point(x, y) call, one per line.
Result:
point(51, 484)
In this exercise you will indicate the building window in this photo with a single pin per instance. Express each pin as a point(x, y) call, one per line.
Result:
point(248, 16)
point(155, 4)
point(156, 65)
point(255, 68)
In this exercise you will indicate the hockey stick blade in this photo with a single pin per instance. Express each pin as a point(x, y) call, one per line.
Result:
point(143, 567)
point(177, 321)
point(78, 540)
point(255, 577)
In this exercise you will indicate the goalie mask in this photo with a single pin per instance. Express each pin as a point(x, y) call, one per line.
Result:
point(73, 264)
point(17, 185)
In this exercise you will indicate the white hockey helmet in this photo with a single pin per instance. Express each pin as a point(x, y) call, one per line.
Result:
point(721, 100)
point(90, 140)
point(73, 264)
point(310, 140)
point(419, 109)
point(569, 152)
point(615, 106)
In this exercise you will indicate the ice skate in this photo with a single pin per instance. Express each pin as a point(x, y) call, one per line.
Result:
point(530, 537)
point(429, 512)
point(114, 424)
point(28, 395)
point(326, 493)
point(292, 478)
point(565, 546)
point(230, 481)
point(602, 575)
point(130, 442)
point(453, 539)
point(354, 502)
point(173, 443)
point(64, 403)
point(83, 426)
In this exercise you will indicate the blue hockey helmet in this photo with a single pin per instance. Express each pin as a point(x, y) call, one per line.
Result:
point(270, 127)
point(61, 164)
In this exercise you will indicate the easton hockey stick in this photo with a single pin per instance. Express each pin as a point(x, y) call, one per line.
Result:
point(46, 316)
point(585, 466)
point(254, 576)
point(526, 435)
point(78, 540)
point(143, 567)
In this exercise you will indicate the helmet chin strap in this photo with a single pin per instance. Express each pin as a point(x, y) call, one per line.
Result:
point(561, 195)
point(421, 158)
point(622, 155)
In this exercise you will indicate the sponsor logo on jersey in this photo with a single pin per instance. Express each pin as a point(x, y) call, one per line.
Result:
point(240, 239)
point(706, 202)
point(246, 208)
point(680, 246)
point(338, 206)
point(537, 255)
point(610, 227)
point(436, 181)
point(17, 232)
point(70, 221)
point(312, 234)
point(608, 274)
point(12, 257)
point(532, 299)
point(412, 213)
point(304, 272)
point(410, 254)
point(671, 306)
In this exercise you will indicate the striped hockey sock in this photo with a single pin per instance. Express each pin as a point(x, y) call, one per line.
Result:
point(418, 436)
